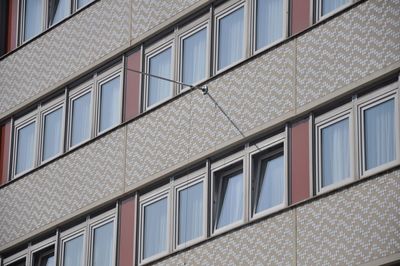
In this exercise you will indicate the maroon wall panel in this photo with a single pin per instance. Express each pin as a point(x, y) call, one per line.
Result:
point(300, 12)
point(300, 172)
point(5, 131)
point(12, 25)
point(127, 232)
point(132, 87)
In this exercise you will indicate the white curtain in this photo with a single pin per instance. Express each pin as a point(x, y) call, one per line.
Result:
point(52, 133)
point(380, 142)
point(81, 119)
point(231, 38)
point(160, 65)
point(272, 183)
point(58, 9)
point(330, 5)
point(103, 245)
point(33, 18)
point(335, 153)
point(155, 228)
point(231, 200)
point(25, 147)
point(269, 22)
point(190, 213)
point(110, 104)
point(194, 57)
point(73, 252)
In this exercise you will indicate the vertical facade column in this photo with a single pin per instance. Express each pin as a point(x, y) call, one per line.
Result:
point(127, 232)
point(5, 145)
point(301, 15)
point(132, 86)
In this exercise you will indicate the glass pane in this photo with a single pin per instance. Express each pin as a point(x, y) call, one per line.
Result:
point(52, 134)
point(33, 18)
point(81, 119)
point(58, 9)
point(160, 65)
point(47, 261)
point(230, 199)
point(231, 38)
point(82, 3)
point(103, 245)
point(110, 105)
point(25, 148)
point(335, 152)
point(194, 57)
point(380, 140)
point(269, 22)
point(44, 257)
point(73, 252)
point(155, 228)
point(331, 5)
point(190, 213)
point(271, 183)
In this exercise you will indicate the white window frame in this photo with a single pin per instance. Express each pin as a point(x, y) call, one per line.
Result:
point(77, 231)
point(369, 101)
point(22, 18)
point(221, 12)
point(19, 124)
point(17, 257)
point(158, 48)
point(102, 79)
point(264, 150)
point(186, 32)
point(323, 121)
point(148, 199)
point(43, 245)
point(318, 8)
point(285, 17)
point(47, 17)
point(182, 184)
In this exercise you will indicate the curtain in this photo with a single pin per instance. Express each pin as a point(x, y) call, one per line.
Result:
point(231, 38)
point(33, 18)
point(58, 9)
point(155, 228)
point(160, 65)
point(110, 104)
point(103, 245)
point(272, 183)
point(73, 252)
point(26, 147)
point(190, 213)
point(335, 152)
point(82, 3)
point(330, 5)
point(380, 142)
point(52, 133)
point(81, 119)
point(231, 200)
point(269, 22)
point(194, 57)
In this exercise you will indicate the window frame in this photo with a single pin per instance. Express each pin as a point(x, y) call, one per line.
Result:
point(22, 18)
point(150, 52)
point(260, 151)
point(318, 10)
point(47, 17)
point(70, 234)
point(23, 254)
point(220, 12)
point(322, 122)
point(52, 241)
point(146, 200)
point(183, 183)
point(369, 101)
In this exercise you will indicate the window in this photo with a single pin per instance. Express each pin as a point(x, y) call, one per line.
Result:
point(270, 22)
point(110, 102)
point(32, 18)
point(160, 64)
point(52, 136)
point(103, 248)
point(25, 146)
point(21, 262)
point(44, 257)
point(328, 7)
point(58, 10)
point(73, 251)
point(82, 3)
point(230, 37)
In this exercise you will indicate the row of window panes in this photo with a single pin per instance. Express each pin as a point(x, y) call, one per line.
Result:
point(39, 136)
point(38, 15)
point(369, 127)
point(184, 202)
point(99, 234)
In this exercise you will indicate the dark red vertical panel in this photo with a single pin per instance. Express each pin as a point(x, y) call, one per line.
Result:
point(301, 16)
point(127, 232)
point(3, 26)
point(5, 131)
point(300, 172)
point(12, 25)
point(132, 86)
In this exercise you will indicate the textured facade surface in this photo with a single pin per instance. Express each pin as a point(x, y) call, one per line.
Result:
point(62, 187)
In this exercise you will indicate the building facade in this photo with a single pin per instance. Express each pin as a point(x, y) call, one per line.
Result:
point(271, 138)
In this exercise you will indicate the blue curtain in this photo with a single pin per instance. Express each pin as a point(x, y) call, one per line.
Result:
point(160, 65)
point(25, 148)
point(73, 252)
point(33, 18)
point(103, 245)
point(331, 5)
point(269, 22)
point(81, 119)
point(110, 104)
point(52, 134)
point(194, 57)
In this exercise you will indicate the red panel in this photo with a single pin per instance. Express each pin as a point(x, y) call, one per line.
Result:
point(300, 171)
point(5, 131)
point(12, 25)
point(300, 15)
point(132, 87)
point(127, 232)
